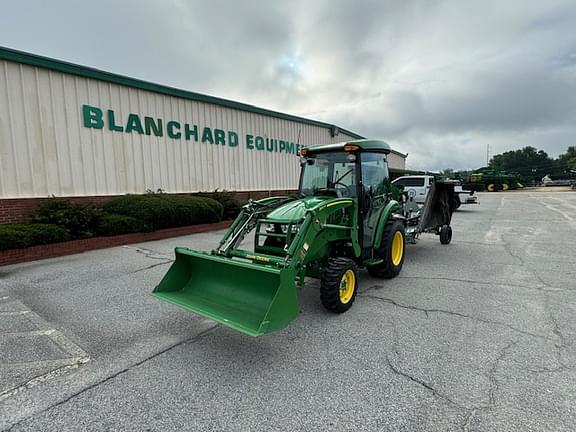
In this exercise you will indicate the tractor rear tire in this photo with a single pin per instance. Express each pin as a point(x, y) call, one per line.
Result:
point(339, 284)
point(392, 251)
point(445, 234)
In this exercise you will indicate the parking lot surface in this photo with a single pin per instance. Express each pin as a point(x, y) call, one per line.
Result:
point(478, 335)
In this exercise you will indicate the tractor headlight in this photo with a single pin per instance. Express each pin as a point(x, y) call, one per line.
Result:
point(271, 228)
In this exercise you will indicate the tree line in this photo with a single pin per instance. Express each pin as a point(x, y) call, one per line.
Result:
point(530, 164)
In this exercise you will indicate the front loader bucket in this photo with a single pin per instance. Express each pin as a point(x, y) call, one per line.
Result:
point(251, 298)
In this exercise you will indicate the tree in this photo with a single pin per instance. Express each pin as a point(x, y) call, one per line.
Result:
point(567, 161)
point(529, 163)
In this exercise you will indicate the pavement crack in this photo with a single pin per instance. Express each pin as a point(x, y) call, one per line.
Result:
point(492, 391)
point(422, 383)
point(149, 253)
point(427, 311)
point(469, 281)
point(116, 374)
point(43, 378)
point(545, 288)
point(152, 266)
point(561, 341)
point(412, 378)
point(154, 255)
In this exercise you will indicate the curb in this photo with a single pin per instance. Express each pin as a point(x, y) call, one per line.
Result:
point(33, 253)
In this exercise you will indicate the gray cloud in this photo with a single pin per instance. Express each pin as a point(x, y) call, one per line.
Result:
point(438, 79)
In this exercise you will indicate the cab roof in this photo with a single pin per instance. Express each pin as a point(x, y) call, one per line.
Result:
point(364, 144)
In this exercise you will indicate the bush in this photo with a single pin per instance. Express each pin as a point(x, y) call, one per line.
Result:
point(231, 205)
point(156, 210)
point(115, 224)
point(79, 220)
point(14, 236)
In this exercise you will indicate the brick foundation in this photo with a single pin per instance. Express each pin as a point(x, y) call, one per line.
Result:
point(33, 253)
point(17, 210)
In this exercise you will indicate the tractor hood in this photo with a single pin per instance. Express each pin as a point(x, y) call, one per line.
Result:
point(295, 210)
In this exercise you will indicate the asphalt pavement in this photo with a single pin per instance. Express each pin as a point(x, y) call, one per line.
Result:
point(478, 335)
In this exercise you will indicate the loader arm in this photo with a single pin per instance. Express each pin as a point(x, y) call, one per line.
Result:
point(317, 232)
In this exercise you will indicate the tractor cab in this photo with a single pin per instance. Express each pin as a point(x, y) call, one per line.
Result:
point(356, 170)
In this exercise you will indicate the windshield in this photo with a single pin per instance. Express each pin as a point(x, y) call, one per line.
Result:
point(328, 174)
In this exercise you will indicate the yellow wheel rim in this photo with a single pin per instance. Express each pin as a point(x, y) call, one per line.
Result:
point(490, 187)
point(347, 286)
point(505, 186)
point(397, 248)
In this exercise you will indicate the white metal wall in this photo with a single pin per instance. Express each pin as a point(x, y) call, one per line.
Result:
point(46, 150)
point(396, 161)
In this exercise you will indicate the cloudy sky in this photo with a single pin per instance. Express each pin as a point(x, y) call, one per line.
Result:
point(439, 80)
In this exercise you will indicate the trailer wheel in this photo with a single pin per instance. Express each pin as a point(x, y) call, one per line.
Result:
point(445, 234)
point(490, 187)
point(392, 251)
point(339, 284)
point(505, 186)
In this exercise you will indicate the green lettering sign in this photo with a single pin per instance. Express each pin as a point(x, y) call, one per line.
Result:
point(219, 136)
point(259, 143)
point(134, 124)
point(151, 126)
point(191, 132)
point(170, 126)
point(250, 142)
point(112, 123)
point(207, 135)
point(232, 139)
point(92, 117)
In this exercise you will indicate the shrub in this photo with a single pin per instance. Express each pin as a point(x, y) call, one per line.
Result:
point(14, 236)
point(79, 220)
point(231, 205)
point(157, 210)
point(115, 224)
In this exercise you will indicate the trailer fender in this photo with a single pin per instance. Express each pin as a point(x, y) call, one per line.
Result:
point(387, 212)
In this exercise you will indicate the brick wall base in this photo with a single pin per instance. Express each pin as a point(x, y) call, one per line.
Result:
point(33, 253)
point(17, 210)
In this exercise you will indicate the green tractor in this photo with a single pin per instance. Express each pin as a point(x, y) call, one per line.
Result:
point(489, 180)
point(346, 216)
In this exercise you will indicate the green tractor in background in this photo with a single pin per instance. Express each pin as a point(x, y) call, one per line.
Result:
point(346, 216)
point(489, 180)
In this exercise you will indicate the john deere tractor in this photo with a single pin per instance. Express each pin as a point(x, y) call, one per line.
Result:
point(346, 216)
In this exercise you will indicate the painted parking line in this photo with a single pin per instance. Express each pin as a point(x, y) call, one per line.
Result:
point(30, 343)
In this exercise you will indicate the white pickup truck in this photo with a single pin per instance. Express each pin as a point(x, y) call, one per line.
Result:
point(417, 187)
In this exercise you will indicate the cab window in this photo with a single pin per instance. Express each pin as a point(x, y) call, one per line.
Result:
point(374, 172)
point(410, 182)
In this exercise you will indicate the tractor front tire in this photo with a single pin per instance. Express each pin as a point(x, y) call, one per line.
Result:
point(339, 284)
point(392, 251)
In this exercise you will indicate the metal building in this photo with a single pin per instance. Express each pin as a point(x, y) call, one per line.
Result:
point(68, 130)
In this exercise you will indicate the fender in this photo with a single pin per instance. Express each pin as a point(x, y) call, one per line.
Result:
point(385, 215)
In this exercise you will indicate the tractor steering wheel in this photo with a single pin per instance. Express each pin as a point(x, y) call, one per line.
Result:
point(347, 192)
